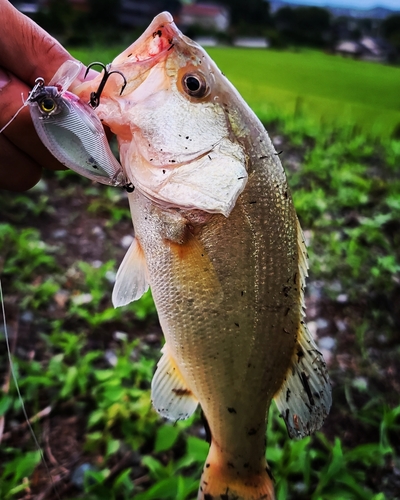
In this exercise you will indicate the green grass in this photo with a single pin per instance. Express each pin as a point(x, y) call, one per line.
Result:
point(328, 88)
point(324, 87)
point(347, 193)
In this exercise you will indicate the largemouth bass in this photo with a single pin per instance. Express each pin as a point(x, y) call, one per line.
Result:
point(218, 241)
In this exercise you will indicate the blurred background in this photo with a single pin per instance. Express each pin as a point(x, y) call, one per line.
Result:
point(281, 76)
point(324, 78)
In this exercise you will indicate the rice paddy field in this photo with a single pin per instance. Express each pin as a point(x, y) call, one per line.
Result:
point(327, 88)
point(322, 87)
point(84, 368)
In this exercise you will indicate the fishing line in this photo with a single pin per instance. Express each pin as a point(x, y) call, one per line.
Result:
point(14, 377)
point(24, 103)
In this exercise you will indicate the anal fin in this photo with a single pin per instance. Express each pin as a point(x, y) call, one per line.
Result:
point(131, 281)
point(170, 394)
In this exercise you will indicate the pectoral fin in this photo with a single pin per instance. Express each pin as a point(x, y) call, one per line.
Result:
point(170, 394)
point(131, 281)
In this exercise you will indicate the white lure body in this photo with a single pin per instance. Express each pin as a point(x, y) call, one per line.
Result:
point(71, 130)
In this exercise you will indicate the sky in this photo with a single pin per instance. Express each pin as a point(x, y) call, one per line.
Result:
point(363, 4)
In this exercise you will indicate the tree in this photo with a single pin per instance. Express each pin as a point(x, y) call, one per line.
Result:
point(391, 30)
point(304, 25)
point(103, 12)
point(253, 13)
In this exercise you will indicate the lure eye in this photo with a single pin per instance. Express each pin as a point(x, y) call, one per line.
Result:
point(195, 85)
point(47, 105)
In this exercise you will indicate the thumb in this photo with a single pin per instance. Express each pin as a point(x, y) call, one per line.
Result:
point(27, 51)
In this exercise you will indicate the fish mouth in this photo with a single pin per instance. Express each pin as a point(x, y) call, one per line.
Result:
point(135, 62)
point(157, 39)
point(151, 48)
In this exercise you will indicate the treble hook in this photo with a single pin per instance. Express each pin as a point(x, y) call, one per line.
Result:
point(95, 96)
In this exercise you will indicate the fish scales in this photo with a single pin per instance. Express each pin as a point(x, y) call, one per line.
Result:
point(212, 332)
point(218, 241)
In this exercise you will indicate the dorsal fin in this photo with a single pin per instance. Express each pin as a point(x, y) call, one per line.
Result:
point(131, 281)
point(304, 398)
point(170, 394)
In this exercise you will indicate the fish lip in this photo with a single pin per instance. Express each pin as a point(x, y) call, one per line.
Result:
point(151, 48)
point(163, 17)
point(164, 21)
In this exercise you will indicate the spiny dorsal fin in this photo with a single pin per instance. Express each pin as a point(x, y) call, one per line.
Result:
point(303, 262)
point(305, 397)
point(131, 281)
point(170, 394)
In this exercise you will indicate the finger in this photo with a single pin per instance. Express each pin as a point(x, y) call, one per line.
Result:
point(27, 50)
point(30, 52)
point(21, 131)
point(18, 172)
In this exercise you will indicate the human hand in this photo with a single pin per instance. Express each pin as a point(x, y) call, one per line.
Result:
point(27, 52)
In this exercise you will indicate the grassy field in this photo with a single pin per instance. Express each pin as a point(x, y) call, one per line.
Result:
point(325, 88)
point(322, 86)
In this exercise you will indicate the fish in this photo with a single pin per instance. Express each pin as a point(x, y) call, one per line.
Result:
point(218, 241)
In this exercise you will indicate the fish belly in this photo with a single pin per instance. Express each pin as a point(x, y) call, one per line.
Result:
point(227, 296)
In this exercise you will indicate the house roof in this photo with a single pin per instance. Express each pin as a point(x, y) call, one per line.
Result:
point(349, 46)
point(368, 47)
point(203, 9)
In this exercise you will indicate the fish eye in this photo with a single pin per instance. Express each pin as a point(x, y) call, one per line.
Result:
point(195, 85)
point(47, 105)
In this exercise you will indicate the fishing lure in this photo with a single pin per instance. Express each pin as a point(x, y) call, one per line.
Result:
point(71, 130)
point(95, 96)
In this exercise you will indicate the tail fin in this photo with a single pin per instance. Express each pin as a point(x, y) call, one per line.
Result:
point(226, 479)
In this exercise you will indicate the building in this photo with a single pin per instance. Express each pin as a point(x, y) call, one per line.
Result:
point(208, 16)
point(139, 13)
point(367, 48)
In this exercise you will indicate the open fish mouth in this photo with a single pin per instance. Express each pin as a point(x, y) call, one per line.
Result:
point(151, 48)
point(138, 59)
point(157, 39)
